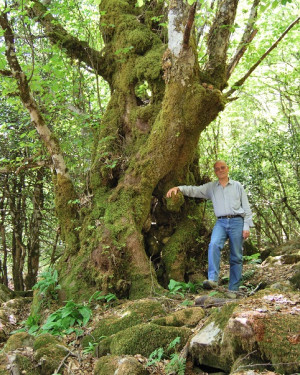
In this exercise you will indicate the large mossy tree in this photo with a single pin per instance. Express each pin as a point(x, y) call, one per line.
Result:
point(164, 92)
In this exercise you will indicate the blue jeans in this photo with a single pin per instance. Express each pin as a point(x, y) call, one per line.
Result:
point(233, 229)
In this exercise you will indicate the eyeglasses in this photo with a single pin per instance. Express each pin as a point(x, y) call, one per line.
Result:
point(222, 168)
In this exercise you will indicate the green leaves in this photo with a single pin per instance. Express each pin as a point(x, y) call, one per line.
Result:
point(99, 296)
point(176, 365)
point(65, 319)
point(254, 258)
point(180, 287)
point(155, 356)
point(48, 284)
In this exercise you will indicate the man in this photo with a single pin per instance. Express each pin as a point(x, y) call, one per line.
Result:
point(234, 219)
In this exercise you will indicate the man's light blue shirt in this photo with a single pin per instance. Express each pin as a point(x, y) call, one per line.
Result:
point(228, 200)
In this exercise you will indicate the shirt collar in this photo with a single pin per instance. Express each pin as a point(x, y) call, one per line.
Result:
point(229, 182)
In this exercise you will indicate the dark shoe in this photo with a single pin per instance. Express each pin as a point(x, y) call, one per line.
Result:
point(209, 284)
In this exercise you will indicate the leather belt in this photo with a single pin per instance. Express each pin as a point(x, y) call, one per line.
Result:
point(229, 216)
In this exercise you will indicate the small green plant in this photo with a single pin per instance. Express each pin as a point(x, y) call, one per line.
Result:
point(65, 319)
point(155, 356)
point(248, 274)
point(48, 284)
point(91, 346)
point(186, 302)
point(180, 287)
point(254, 258)
point(173, 343)
point(176, 364)
point(99, 296)
point(30, 325)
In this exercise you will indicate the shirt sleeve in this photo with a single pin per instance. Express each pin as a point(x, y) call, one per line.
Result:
point(202, 191)
point(246, 207)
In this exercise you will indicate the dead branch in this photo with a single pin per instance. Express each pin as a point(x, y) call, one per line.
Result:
point(239, 83)
point(64, 359)
point(248, 35)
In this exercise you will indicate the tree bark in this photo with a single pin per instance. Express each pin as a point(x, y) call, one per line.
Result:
point(3, 270)
point(17, 219)
point(33, 246)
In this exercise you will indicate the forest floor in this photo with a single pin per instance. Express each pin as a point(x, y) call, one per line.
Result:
point(80, 361)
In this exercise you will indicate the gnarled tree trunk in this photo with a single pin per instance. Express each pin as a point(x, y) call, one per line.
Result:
point(161, 99)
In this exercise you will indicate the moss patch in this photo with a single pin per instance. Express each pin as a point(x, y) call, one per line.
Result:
point(44, 340)
point(135, 313)
point(189, 317)
point(221, 316)
point(18, 340)
point(280, 342)
point(52, 355)
point(26, 366)
point(145, 338)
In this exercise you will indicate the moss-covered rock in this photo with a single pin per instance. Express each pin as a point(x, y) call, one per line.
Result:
point(124, 365)
point(51, 351)
point(264, 325)
point(44, 340)
point(295, 280)
point(133, 314)
point(279, 341)
point(145, 308)
point(5, 293)
point(26, 365)
point(103, 348)
point(145, 338)
point(18, 303)
point(189, 317)
point(19, 340)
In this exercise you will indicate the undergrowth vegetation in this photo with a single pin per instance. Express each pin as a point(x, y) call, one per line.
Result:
point(176, 364)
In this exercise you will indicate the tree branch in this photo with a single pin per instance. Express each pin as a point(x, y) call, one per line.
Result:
point(74, 47)
point(38, 164)
point(28, 100)
point(239, 83)
point(218, 41)
point(249, 34)
point(201, 29)
point(188, 27)
point(64, 187)
point(6, 73)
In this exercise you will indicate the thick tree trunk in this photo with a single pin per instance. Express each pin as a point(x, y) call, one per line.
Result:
point(143, 149)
